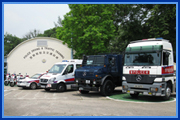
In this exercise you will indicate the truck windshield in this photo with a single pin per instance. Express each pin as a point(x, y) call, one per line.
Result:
point(94, 60)
point(142, 59)
point(57, 68)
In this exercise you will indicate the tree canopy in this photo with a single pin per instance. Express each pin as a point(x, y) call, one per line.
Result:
point(99, 28)
point(10, 42)
point(88, 28)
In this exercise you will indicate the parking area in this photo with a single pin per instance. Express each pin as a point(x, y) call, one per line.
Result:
point(27, 102)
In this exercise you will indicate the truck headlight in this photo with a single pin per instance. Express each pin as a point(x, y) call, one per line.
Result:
point(52, 79)
point(123, 78)
point(76, 81)
point(154, 89)
point(94, 82)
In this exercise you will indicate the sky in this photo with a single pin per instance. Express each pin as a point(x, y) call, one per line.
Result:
point(20, 19)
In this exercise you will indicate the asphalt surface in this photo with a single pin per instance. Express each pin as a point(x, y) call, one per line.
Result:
point(27, 102)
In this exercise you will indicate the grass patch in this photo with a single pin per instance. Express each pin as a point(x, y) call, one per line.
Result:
point(140, 98)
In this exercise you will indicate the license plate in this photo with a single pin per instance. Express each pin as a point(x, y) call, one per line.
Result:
point(48, 85)
point(138, 86)
point(42, 86)
point(132, 92)
point(87, 81)
point(81, 88)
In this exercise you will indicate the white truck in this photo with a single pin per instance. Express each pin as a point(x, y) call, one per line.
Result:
point(60, 76)
point(149, 68)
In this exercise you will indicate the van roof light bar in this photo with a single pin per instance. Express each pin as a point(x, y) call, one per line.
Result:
point(65, 61)
point(150, 39)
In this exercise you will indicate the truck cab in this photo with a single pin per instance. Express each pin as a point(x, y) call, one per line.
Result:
point(60, 76)
point(149, 68)
point(99, 72)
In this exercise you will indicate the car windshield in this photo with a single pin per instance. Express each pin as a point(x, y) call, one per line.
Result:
point(57, 68)
point(94, 60)
point(142, 59)
point(35, 76)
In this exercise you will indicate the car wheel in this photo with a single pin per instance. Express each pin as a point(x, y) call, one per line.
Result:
point(33, 86)
point(6, 83)
point(107, 88)
point(61, 87)
point(12, 84)
point(167, 92)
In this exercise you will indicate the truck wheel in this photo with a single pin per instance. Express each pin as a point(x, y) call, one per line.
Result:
point(6, 83)
point(33, 86)
point(135, 95)
point(83, 92)
point(107, 88)
point(167, 92)
point(47, 89)
point(12, 84)
point(61, 87)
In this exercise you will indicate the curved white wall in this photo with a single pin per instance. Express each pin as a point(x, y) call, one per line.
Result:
point(31, 57)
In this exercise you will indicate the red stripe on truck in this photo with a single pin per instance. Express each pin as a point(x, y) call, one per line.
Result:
point(168, 70)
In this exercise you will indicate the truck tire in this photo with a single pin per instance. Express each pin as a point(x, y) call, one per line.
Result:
point(107, 88)
point(47, 89)
point(83, 92)
point(33, 86)
point(61, 87)
point(12, 84)
point(6, 83)
point(135, 95)
point(167, 92)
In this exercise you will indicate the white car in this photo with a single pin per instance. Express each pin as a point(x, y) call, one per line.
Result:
point(30, 82)
point(60, 76)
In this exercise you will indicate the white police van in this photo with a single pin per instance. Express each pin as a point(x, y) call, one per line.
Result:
point(60, 76)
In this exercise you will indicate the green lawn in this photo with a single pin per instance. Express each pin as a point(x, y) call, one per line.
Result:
point(140, 98)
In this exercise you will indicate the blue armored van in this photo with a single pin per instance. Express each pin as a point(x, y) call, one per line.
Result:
point(99, 73)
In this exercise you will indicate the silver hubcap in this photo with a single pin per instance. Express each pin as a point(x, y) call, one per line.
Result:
point(33, 86)
point(168, 92)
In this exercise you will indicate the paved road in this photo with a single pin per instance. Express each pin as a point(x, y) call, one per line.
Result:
point(26, 102)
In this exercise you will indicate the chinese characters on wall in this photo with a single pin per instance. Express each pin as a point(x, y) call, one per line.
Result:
point(43, 50)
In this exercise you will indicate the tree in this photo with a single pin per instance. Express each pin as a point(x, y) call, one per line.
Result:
point(49, 33)
point(31, 34)
point(130, 25)
point(10, 42)
point(88, 28)
point(59, 22)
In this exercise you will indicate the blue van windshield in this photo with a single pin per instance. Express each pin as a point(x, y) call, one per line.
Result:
point(94, 60)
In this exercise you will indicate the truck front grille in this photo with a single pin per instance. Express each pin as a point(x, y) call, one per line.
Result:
point(44, 80)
